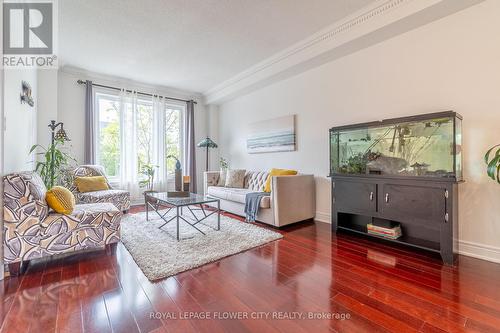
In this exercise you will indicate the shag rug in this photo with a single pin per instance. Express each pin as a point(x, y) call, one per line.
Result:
point(159, 255)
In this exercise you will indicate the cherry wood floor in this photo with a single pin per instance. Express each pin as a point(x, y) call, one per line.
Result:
point(382, 288)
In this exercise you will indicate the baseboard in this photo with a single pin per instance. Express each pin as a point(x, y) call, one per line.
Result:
point(323, 217)
point(466, 248)
point(479, 251)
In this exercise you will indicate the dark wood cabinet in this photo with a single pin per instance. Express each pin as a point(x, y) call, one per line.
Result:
point(425, 209)
point(413, 204)
point(357, 197)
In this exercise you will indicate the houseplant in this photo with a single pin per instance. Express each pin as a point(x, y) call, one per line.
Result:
point(492, 160)
point(224, 164)
point(54, 160)
point(148, 170)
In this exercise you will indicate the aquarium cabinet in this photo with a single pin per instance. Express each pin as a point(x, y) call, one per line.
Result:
point(404, 172)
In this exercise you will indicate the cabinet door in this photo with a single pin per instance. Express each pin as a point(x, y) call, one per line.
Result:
point(355, 197)
point(413, 204)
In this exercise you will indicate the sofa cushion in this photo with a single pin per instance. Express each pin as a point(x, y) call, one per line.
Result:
point(235, 178)
point(91, 184)
point(235, 195)
point(88, 226)
point(255, 180)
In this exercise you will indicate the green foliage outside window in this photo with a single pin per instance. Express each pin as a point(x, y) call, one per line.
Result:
point(110, 149)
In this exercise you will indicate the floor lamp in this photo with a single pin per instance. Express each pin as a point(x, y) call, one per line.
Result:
point(207, 143)
point(60, 136)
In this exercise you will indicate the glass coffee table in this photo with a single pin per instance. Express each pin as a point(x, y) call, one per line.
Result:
point(160, 200)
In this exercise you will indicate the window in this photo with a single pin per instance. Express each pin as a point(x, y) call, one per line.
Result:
point(132, 132)
point(108, 134)
point(144, 136)
point(173, 137)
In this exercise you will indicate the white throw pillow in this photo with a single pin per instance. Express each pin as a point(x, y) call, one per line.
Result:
point(222, 177)
point(235, 178)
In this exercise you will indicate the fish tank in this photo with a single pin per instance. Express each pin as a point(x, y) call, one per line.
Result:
point(428, 145)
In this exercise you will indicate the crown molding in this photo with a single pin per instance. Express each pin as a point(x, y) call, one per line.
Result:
point(373, 24)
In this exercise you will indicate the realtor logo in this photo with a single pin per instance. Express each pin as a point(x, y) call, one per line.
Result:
point(28, 28)
point(29, 34)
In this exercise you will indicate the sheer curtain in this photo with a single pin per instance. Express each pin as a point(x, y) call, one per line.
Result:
point(142, 141)
point(158, 158)
point(129, 179)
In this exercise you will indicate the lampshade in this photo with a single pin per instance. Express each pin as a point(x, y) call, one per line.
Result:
point(61, 135)
point(207, 143)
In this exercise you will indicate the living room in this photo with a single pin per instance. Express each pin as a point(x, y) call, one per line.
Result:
point(251, 166)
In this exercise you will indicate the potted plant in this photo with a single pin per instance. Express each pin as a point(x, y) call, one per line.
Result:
point(148, 170)
point(224, 164)
point(55, 159)
point(492, 160)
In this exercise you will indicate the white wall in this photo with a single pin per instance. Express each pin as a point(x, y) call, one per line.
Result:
point(450, 64)
point(20, 120)
point(213, 132)
point(47, 104)
point(71, 110)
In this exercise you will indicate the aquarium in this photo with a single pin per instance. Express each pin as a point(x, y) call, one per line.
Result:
point(427, 145)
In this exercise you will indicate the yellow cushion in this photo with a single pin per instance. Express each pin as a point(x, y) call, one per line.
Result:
point(277, 172)
point(60, 199)
point(90, 184)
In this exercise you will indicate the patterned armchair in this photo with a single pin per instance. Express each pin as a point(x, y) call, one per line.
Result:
point(32, 231)
point(119, 198)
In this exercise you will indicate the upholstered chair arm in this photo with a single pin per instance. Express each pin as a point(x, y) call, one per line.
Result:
point(210, 178)
point(293, 198)
point(24, 207)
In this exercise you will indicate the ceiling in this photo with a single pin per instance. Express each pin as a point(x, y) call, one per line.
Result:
point(187, 44)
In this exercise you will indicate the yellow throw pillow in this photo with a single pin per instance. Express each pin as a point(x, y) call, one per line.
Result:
point(60, 199)
point(90, 184)
point(277, 172)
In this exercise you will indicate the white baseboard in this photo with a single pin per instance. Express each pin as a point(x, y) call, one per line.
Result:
point(479, 251)
point(323, 217)
point(466, 248)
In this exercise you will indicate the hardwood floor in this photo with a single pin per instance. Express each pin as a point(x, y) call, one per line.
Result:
point(382, 288)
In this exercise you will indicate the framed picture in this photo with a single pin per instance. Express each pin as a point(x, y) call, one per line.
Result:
point(26, 94)
point(273, 135)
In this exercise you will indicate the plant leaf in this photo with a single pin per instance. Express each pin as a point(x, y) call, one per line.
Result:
point(487, 155)
point(493, 165)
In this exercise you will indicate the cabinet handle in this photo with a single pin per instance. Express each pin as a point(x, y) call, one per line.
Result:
point(371, 196)
point(387, 197)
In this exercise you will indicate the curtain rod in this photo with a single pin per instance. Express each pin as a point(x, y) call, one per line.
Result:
point(138, 92)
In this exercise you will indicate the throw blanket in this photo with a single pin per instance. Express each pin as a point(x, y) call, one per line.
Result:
point(252, 204)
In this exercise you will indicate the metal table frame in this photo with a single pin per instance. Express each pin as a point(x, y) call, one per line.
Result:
point(157, 204)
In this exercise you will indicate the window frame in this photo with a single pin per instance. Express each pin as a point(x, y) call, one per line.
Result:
point(115, 96)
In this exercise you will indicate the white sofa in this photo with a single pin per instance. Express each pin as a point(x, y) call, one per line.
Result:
point(292, 198)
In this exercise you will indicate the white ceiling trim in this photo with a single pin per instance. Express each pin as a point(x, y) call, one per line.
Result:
point(382, 20)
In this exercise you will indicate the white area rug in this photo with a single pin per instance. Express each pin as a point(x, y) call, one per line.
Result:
point(159, 255)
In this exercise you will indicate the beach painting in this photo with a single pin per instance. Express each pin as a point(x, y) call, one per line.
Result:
point(272, 135)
